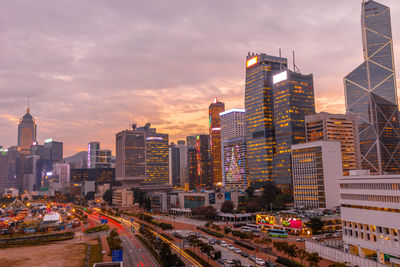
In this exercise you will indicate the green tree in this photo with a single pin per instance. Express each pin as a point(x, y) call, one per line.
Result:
point(291, 251)
point(269, 195)
point(227, 206)
point(227, 230)
point(250, 191)
point(282, 200)
point(315, 224)
point(89, 196)
point(108, 196)
point(302, 254)
point(313, 259)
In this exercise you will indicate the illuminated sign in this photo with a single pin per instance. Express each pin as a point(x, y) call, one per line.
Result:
point(48, 140)
point(252, 61)
point(280, 77)
point(49, 173)
point(232, 110)
point(154, 138)
point(265, 219)
point(216, 129)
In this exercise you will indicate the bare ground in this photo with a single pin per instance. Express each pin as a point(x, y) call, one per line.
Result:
point(54, 255)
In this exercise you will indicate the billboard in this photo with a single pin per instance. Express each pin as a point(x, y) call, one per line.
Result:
point(265, 219)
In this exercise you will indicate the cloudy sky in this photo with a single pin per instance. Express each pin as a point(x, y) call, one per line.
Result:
point(92, 67)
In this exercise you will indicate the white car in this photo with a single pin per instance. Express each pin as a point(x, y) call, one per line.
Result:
point(223, 243)
point(260, 262)
point(237, 250)
point(230, 247)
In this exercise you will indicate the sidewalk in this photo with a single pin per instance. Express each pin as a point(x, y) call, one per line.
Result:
point(106, 248)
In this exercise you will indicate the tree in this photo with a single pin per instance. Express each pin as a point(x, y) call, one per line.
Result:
point(315, 224)
point(207, 212)
point(89, 196)
point(313, 259)
point(282, 200)
point(291, 251)
point(302, 254)
point(339, 264)
point(227, 230)
point(270, 192)
point(108, 196)
point(227, 206)
point(250, 191)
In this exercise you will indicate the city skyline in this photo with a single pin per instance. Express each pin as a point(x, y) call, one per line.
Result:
point(98, 78)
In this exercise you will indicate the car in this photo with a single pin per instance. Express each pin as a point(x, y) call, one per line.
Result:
point(270, 264)
point(237, 250)
point(222, 260)
point(252, 258)
point(237, 262)
point(245, 254)
point(300, 239)
point(223, 243)
point(230, 247)
point(260, 262)
point(212, 242)
point(336, 235)
point(317, 237)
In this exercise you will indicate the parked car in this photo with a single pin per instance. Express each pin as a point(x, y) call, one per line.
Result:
point(245, 254)
point(222, 260)
point(300, 239)
point(270, 264)
point(223, 243)
point(252, 258)
point(260, 262)
point(212, 242)
point(317, 237)
point(230, 247)
point(237, 250)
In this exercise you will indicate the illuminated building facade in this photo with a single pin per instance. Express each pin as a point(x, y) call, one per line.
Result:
point(316, 168)
point(234, 149)
point(130, 162)
point(192, 168)
point(370, 92)
point(215, 140)
point(178, 164)
point(337, 127)
point(26, 132)
point(260, 134)
point(204, 165)
point(157, 158)
point(293, 97)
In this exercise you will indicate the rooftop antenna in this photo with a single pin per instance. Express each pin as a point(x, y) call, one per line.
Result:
point(294, 64)
point(280, 59)
point(27, 110)
point(134, 125)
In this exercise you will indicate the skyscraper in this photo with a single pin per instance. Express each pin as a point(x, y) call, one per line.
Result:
point(371, 93)
point(157, 159)
point(26, 132)
point(293, 97)
point(215, 140)
point(178, 164)
point(202, 177)
point(337, 127)
point(98, 158)
point(260, 135)
point(234, 149)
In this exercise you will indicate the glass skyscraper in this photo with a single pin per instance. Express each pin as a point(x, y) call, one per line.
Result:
point(215, 140)
point(371, 93)
point(26, 132)
point(260, 135)
point(293, 97)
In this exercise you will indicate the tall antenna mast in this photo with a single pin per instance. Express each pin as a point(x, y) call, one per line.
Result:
point(27, 110)
point(295, 68)
point(280, 59)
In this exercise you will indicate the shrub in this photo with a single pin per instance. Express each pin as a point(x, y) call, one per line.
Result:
point(288, 262)
point(211, 232)
point(98, 228)
point(245, 245)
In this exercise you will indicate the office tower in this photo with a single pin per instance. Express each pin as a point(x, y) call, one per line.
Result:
point(370, 92)
point(178, 164)
point(98, 158)
point(157, 159)
point(215, 140)
point(260, 135)
point(234, 149)
point(26, 132)
point(293, 97)
point(316, 167)
point(3, 169)
point(203, 160)
point(99, 175)
point(191, 140)
point(337, 127)
point(192, 168)
point(130, 163)
point(63, 172)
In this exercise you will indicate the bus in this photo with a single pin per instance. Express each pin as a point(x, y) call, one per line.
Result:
point(277, 233)
point(254, 227)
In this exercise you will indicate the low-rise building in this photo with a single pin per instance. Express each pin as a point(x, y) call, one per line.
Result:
point(122, 197)
point(370, 212)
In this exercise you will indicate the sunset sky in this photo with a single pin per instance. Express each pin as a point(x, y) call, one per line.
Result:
point(92, 67)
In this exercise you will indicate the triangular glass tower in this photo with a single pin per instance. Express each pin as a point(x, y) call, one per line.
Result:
point(371, 93)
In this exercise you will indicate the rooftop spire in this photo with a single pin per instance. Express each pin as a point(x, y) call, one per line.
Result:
point(27, 109)
point(215, 99)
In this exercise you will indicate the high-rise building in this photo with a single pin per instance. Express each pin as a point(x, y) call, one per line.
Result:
point(192, 168)
point(293, 97)
point(157, 158)
point(98, 158)
point(370, 216)
point(130, 163)
point(337, 127)
point(215, 140)
point(316, 167)
point(26, 132)
point(178, 164)
point(370, 92)
point(203, 160)
point(234, 149)
point(63, 172)
point(260, 135)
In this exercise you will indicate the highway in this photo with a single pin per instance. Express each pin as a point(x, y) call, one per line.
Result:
point(135, 254)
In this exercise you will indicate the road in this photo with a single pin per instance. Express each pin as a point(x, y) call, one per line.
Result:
point(135, 254)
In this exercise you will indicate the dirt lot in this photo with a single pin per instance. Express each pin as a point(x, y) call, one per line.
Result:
point(57, 254)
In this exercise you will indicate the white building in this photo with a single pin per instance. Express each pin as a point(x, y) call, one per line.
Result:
point(316, 168)
point(63, 171)
point(178, 164)
point(122, 198)
point(233, 149)
point(370, 211)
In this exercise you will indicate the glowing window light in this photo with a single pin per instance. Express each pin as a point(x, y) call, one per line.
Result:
point(280, 77)
point(252, 61)
point(154, 138)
